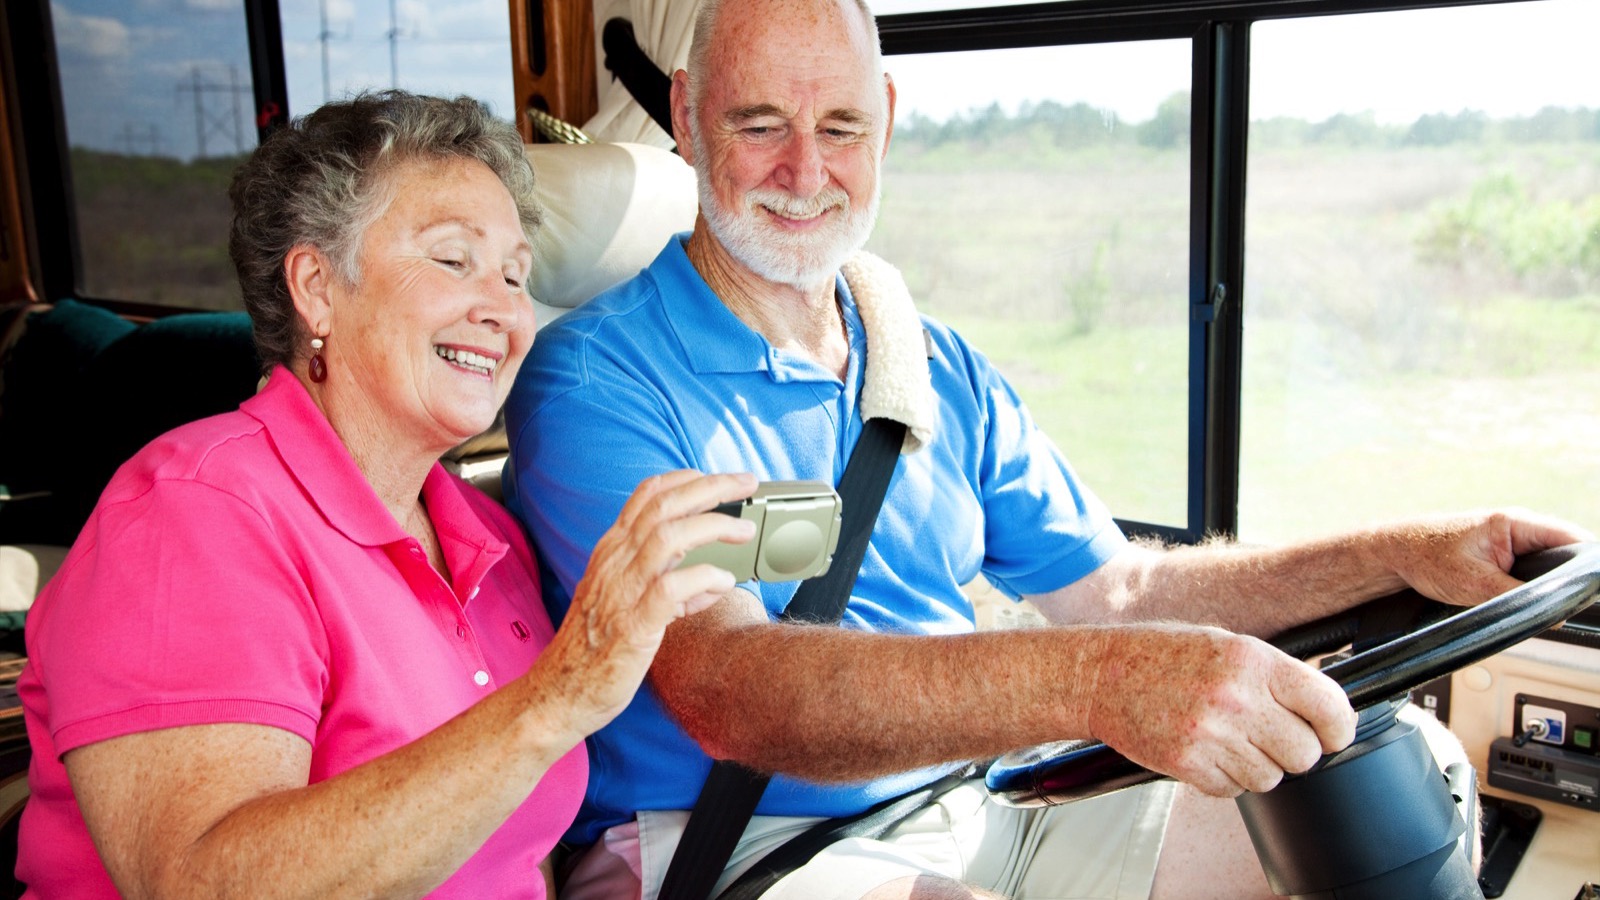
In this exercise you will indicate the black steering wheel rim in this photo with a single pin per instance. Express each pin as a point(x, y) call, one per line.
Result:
point(1062, 772)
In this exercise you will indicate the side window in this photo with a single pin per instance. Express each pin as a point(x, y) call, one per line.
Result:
point(336, 48)
point(158, 106)
point(1422, 266)
point(159, 112)
point(1050, 227)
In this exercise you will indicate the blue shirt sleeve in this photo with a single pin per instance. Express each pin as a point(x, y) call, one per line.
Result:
point(1043, 528)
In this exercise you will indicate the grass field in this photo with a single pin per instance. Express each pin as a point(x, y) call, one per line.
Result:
point(155, 230)
point(1381, 378)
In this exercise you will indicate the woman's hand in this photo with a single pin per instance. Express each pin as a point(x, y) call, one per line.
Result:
point(633, 589)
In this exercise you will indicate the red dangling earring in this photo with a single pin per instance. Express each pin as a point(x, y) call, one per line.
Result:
point(319, 367)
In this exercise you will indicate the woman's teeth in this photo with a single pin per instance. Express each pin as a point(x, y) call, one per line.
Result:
point(466, 359)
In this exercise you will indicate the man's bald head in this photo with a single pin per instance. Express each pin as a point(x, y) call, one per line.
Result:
point(709, 15)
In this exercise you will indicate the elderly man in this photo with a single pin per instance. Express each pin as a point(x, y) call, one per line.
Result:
point(743, 348)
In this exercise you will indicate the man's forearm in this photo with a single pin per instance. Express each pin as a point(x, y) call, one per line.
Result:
point(1264, 590)
point(830, 704)
point(1255, 590)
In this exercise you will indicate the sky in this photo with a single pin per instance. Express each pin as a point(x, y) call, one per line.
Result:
point(129, 71)
point(455, 47)
point(1503, 59)
point(130, 68)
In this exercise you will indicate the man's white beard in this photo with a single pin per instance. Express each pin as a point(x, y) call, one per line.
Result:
point(801, 260)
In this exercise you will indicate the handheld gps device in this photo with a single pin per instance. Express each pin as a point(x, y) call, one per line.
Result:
point(797, 530)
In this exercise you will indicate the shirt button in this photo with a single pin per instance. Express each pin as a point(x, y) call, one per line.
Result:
point(472, 594)
point(416, 551)
point(461, 632)
point(480, 678)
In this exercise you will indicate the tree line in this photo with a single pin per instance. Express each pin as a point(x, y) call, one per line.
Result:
point(1080, 124)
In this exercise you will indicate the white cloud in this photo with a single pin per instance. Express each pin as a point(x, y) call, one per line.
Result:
point(414, 18)
point(96, 37)
point(487, 17)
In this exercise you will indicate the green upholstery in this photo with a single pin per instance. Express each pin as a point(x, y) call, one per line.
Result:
point(83, 389)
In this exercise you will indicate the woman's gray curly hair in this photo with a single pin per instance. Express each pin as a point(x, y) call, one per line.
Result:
point(321, 181)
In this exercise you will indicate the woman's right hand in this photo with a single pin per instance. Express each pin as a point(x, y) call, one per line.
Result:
point(633, 589)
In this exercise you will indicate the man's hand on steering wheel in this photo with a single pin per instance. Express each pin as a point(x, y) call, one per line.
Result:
point(1464, 559)
point(1223, 712)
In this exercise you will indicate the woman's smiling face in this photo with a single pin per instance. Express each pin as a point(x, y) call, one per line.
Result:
point(433, 331)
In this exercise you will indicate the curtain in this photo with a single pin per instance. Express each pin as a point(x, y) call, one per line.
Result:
point(663, 29)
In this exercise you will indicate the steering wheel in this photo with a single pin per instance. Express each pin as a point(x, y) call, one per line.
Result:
point(1064, 771)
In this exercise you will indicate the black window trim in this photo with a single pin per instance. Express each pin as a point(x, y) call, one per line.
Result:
point(42, 154)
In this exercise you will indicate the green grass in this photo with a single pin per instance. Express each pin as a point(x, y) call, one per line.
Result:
point(155, 230)
point(1075, 383)
point(1379, 383)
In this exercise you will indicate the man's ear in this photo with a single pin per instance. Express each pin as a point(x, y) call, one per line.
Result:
point(310, 278)
point(888, 130)
point(680, 115)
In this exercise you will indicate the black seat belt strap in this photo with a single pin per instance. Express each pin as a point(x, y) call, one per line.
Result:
point(861, 488)
point(726, 803)
point(650, 87)
point(731, 791)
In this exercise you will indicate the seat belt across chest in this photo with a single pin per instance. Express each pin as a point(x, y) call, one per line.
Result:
point(732, 792)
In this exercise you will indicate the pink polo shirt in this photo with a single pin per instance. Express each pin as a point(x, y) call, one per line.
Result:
point(241, 569)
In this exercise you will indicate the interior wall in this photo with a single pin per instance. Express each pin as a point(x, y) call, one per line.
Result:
point(559, 76)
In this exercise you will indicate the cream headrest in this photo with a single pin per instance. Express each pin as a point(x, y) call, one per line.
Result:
point(608, 210)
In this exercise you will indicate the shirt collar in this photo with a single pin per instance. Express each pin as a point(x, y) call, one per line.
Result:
point(712, 337)
point(470, 548)
point(324, 468)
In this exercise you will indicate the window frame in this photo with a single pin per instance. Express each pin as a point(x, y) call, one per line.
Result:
point(1220, 117)
point(1220, 121)
point(48, 198)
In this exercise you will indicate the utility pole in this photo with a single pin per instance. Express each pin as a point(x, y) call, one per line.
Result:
point(238, 111)
point(132, 142)
point(323, 36)
point(394, 46)
point(206, 122)
point(199, 112)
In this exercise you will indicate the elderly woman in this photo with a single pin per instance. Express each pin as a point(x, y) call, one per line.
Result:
point(289, 655)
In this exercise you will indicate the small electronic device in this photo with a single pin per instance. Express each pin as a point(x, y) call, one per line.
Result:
point(1554, 754)
point(1545, 772)
point(797, 530)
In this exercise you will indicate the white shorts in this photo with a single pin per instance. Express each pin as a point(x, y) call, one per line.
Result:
point(1102, 848)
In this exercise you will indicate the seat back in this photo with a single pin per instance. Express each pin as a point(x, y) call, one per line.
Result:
point(608, 210)
point(84, 389)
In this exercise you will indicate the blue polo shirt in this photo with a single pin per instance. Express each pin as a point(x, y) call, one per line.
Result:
point(656, 374)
